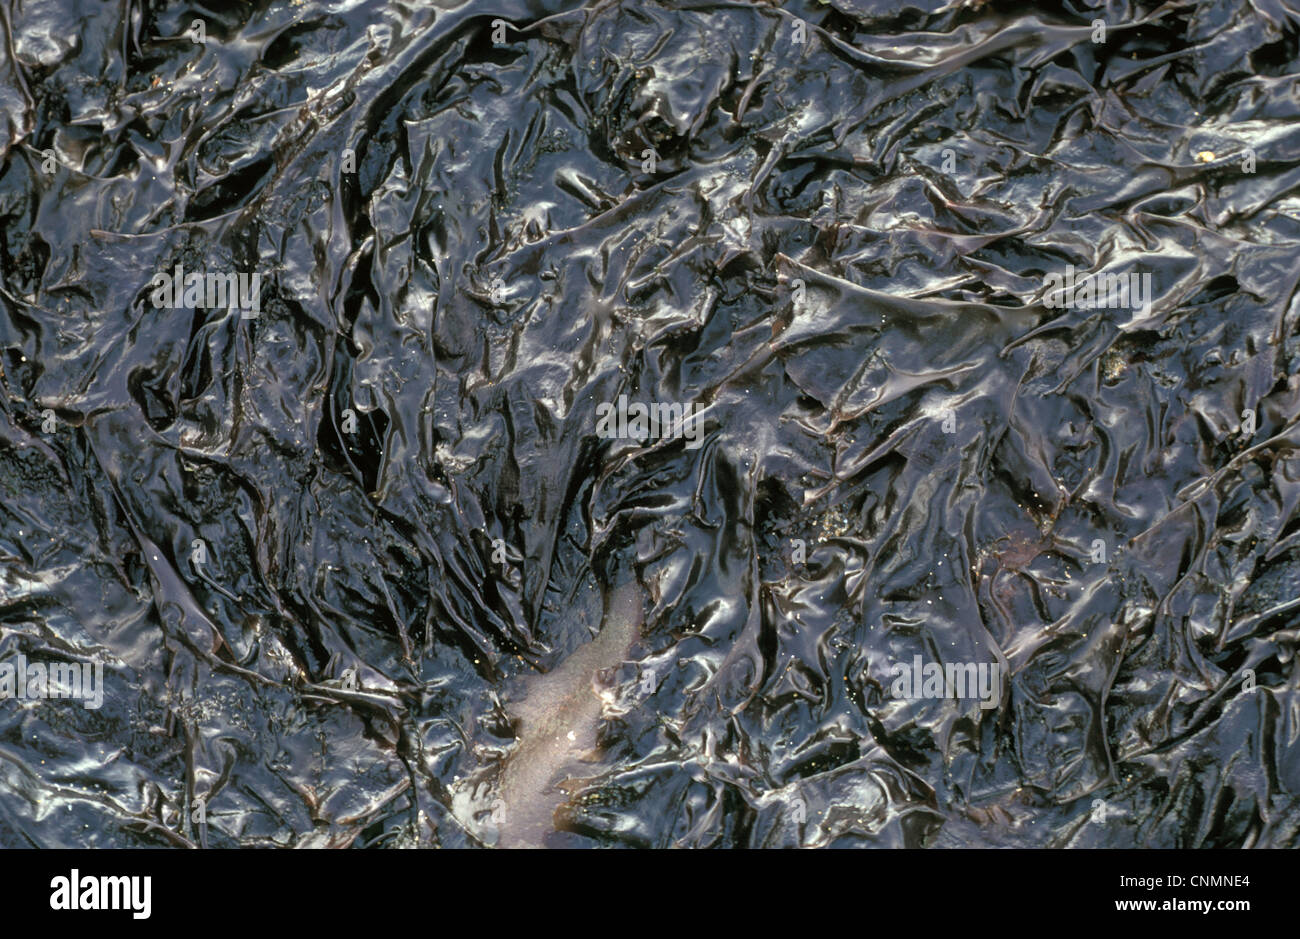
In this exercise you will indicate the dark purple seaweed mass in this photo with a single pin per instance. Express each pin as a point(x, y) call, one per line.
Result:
point(318, 551)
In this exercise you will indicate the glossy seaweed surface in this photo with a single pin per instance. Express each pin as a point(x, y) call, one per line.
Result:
point(970, 334)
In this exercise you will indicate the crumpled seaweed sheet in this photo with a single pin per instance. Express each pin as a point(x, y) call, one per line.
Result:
point(498, 262)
